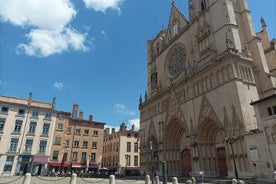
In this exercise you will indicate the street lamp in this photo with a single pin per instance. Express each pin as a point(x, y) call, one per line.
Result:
point(230, 140)
point(126, 156)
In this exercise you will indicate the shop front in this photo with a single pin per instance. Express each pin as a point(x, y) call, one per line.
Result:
point(40, 163)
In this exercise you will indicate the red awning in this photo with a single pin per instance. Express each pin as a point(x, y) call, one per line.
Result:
point(94, 165)
point(78, 164)
point(41, 159)
point(58, 164)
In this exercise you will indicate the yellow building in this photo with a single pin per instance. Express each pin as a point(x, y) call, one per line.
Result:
point(121, 151)
point(26, 128)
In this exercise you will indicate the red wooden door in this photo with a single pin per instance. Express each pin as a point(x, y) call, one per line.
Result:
point(222, 162)
point(186, 162)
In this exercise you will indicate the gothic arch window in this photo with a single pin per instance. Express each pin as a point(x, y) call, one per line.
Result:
point(158, 48)
point(203, 5)
point(175, 28)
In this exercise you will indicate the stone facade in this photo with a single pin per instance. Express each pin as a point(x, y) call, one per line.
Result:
point(203, 73)
point(26, 132)
point(77, 143)
point(121, 151)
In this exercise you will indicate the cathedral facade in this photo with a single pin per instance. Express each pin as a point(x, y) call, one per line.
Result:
point(205, 76)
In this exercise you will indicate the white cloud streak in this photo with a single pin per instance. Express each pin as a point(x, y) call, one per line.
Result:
point(122, 109)
point(49, 23)
point(103, 5)
point(59, 85)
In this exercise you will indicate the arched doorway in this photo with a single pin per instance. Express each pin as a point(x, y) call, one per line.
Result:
point(186, 162)
point(173, 136)
point(211, 149)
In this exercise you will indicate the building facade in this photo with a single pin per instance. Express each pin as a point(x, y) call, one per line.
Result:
point(202, 76)
point(26, 128)
point(77, 143)
point(121, 151)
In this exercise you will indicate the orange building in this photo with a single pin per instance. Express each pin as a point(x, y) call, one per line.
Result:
point(77, 143)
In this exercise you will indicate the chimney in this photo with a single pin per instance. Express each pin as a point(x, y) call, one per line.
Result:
point(75, 110)
point(113, 130)
point(133, 127)
point(90, 117)
point(54, 103)
point(30, 98)
point(81, 115)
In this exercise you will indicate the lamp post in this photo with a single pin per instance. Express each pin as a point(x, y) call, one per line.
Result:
point(231, 140)
point(126, 156)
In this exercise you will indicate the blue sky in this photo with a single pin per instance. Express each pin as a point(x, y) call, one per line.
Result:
point(88, 52)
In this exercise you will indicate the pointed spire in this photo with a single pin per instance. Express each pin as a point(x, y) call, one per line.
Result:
point(263, 22)
point(140, 99)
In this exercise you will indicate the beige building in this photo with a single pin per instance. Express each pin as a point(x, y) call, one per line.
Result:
point(203, 74)
point(121, 151)
point(26, 128)
point(77, 143)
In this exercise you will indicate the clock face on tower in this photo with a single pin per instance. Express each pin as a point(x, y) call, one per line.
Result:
point(175, 62)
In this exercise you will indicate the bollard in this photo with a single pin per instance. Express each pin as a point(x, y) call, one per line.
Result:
point(147, 180)
point(27, 178)
point(174, 180)
point(241, 182)
point(73, 179)
point(111, 179)
point(194, 180)
point(189, 182)
point(157, 180)
point(234, 181)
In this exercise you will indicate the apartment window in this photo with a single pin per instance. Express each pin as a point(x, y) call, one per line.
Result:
point(28, 146)
point(61, 117)
point(135, 160)
point(75, 156)
point(2, 124)
point(13, 145)
point(42, 146)
point(83, 156)
point(45, 130)
point(128, 135)
point(4, 109)
point(93, 157)
point(69, 130)
point(135, 147)
point(76, 143)
point(55, 155)
point(128, 160)
point(35, 113)
point(95, 133)
point(18, 126)
point(65, 155)
point(271, 110)
point(48, 115)
point(21, 112)
point(58, 140)
point(94, 144)
point(128, 146)
point(86, 132)
point(8, 163)
point(85, 144)
point(60, 126)
point(78, 131)
point(32, 127)
point(67, 142)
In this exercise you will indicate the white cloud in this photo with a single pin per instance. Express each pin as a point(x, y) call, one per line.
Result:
point(104, 34)
point(135, 122)
point(122, 109)
point(59, 85)
point(103, 5)
point(3, 82)
point(49, 22)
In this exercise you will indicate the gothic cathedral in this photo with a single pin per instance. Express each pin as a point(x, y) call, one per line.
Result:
point(206, 78)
